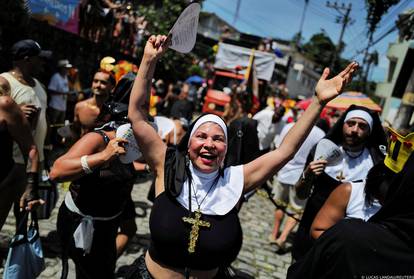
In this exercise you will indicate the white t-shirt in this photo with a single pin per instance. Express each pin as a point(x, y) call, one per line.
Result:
point(60, 84)
point(26, 95)
point(292, 171)
point(357, 207)
point(266, 129)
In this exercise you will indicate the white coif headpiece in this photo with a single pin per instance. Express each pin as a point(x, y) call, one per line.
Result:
point(359, 113)
point(209, 118)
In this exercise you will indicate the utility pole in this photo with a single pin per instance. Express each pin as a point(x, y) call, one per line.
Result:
point(236, 14)
point(344, 11)
point(302, 20)
point(365, 60)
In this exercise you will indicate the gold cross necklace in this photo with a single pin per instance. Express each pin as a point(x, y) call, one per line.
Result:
point(196, 222)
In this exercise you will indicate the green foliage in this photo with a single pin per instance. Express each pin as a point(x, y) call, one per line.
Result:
point(320, 49)
point(195, 70)
point(173, 66)
point(375, 10)
point(360, 86)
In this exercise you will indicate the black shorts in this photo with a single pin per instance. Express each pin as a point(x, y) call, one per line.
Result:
point(129, 210)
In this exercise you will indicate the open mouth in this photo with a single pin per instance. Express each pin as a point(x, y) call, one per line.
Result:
point(208, 156)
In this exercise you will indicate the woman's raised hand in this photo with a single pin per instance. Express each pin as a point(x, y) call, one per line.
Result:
point(156, 46)
point(328, 89)
point(114, 148)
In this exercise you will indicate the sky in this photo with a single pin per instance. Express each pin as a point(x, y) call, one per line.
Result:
point(281, 19)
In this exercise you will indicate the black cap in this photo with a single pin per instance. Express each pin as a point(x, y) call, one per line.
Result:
point(28, 48)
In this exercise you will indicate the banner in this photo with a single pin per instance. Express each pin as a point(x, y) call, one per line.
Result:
point(63, 14)
point(231, 56)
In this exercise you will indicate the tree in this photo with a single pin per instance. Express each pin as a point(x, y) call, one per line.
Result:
point(161, 18)
point(375, 10)
point(320, 49)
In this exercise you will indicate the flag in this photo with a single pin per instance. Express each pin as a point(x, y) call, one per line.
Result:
point(252, 83)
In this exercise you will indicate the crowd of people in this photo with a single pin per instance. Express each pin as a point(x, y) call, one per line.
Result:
point(204, 167)
point(114, 21)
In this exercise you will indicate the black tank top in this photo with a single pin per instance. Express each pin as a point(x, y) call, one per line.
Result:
point(104, 192)
point(217, 246)
point(6, 145)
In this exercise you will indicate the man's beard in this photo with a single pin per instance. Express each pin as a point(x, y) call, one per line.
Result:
point(353, 142)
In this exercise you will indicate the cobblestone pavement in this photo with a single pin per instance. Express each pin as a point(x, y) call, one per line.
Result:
point(256, 258)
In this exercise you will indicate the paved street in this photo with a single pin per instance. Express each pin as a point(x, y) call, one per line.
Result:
point(256, 258)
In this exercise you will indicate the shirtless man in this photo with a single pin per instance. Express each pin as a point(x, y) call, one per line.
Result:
point(87, 111)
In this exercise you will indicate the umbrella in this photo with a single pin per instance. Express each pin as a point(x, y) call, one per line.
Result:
point(303, 104)
point(194, 79)
point(346, 99)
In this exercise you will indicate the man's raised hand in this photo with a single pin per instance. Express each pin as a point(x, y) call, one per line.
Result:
point(328, 89)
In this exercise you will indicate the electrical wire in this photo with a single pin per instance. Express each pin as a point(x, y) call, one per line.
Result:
point(228, 11)
point(391, 28)
point(326, 16)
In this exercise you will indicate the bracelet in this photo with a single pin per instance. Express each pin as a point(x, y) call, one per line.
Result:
point(147, 168)
point(85, 165)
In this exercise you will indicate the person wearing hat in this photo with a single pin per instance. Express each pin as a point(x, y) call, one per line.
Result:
point(14, 127)
point(87, 111)
point(21, 85)
point(361, 138)
point(59, 89)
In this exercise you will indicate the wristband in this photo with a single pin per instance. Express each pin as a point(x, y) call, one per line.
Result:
point(32, 183)
point(84, 164)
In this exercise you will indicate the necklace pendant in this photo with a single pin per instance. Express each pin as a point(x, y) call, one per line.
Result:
point(340, 176)
point(196, 223)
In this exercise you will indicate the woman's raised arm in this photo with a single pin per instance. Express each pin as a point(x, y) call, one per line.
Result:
point(261, 169)
point(95, 153)
point(151, 145)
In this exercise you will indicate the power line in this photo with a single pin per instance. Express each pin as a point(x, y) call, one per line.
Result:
point(384, 25)
point(320, 14)
point(260, 29)
point(391, 27)
point(397, 9)
point(344, 11)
